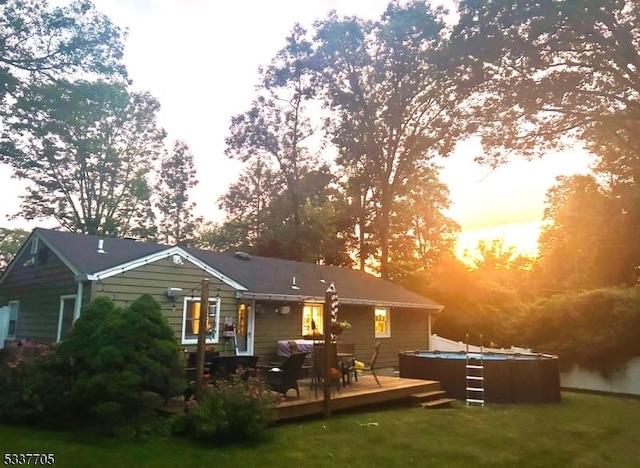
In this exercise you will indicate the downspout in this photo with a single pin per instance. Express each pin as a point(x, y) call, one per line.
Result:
point(78, 307)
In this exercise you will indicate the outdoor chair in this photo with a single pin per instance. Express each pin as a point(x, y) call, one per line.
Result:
point(285, 377)
point(370, 366)
point(346, 356)
point(334, 368)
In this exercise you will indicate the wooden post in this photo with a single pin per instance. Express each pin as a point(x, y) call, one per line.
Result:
point(202, 332)
point(326, 330)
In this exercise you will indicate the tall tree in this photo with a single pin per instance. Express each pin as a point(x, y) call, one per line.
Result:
point(285, 184)
point(178, 224)
point(540, 73)
point(55, 43)
point(246, 205)
point(87, 149)
point(586, 241)
point(391, 108)
point(420, 232)
point(10, 242)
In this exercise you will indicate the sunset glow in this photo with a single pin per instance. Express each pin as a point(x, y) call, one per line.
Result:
point(522, 236)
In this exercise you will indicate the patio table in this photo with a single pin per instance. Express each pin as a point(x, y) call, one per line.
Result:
point(304, 346)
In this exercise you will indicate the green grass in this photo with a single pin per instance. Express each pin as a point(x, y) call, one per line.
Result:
point(584, 430)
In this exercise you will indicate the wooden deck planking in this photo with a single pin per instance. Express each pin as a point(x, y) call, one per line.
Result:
point(363, 393)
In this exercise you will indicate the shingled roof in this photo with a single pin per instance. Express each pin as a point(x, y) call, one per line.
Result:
point(255, 277)
point(272, 278)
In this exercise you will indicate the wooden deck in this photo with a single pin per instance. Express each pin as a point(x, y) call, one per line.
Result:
point(363, 393)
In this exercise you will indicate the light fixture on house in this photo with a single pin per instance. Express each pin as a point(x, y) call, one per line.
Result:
point(177, 260)
point(174, 292)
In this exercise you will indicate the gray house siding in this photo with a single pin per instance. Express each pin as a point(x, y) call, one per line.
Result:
point(409, 331)
point(37, 282)
point(154, 279)
point(271, 327)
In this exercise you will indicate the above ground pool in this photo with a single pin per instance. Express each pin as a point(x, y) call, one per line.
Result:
point(507, 378)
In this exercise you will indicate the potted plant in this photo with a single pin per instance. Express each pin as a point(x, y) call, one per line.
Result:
point(338, 327)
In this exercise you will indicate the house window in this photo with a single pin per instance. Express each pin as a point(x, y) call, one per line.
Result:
point(311, 319)
point(382, 320)
point(191, 320)
point(14, 306)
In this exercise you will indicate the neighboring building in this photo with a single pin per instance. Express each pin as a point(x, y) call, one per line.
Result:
point(263, 299)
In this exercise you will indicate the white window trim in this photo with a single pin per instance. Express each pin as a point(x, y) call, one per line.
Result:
point(386, 334)
point(319, 326)
point(215, 302)
point(15, 328)
point(61, 312)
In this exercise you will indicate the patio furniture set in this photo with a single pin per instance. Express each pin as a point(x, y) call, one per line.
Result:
point(302, 361)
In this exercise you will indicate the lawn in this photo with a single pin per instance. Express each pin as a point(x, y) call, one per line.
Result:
point(584, 430)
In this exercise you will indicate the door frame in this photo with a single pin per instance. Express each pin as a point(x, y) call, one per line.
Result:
point(251, 320)
point(61, 310)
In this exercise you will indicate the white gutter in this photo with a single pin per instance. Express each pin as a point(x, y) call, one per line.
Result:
point(78, 306)
point(349, 301)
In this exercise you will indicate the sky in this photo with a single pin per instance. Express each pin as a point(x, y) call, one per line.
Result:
point(200, 58)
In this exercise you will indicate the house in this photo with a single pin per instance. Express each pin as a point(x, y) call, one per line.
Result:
point(253, 301)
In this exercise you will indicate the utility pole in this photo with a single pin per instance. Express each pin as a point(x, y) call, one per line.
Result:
point(202, 332)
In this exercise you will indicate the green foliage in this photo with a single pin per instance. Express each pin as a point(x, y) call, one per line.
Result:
point(237, 409)
point(477, 302)
point(284, 204)
point(10, 242)
point(596, 329)
point(540, 73)
point(588, 239)
point(390, 113)
point(34, 384)
point(118, 356)
point(88, 155)
point(178, 225)
point(53, 43)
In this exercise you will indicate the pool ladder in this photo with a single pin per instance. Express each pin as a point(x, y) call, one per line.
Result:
point(475, 376)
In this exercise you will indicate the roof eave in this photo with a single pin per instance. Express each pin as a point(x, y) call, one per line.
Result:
point(343, 300)
point(141, 261)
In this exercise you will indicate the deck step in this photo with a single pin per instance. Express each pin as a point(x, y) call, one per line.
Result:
point(439, 403)
point(427, 395)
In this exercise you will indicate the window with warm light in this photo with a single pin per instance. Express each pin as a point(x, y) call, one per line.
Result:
point(191, 320)
point(312, 319)
point(382, 321)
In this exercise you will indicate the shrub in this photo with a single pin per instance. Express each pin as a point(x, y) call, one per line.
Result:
point(238, 408)
point(32, 383)
point(596, 329)
point(118, 356)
